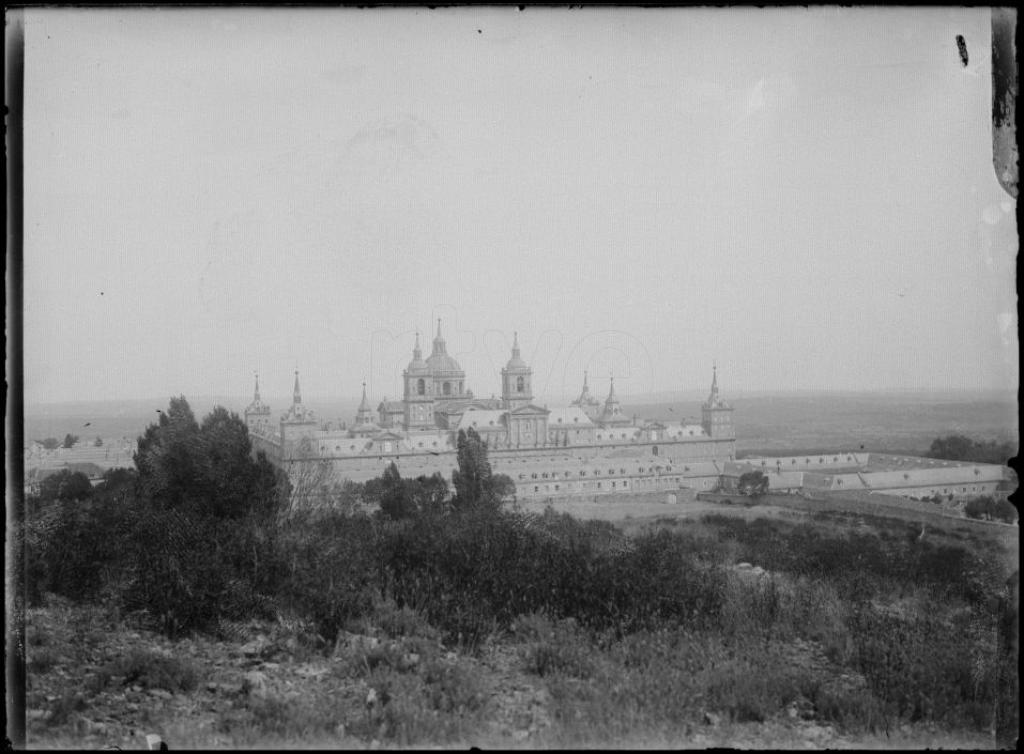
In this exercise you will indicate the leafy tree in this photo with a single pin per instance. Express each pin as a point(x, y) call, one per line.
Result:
point(391, 493)
point(961, 448)
point(989, 508)
point(169, 457)
point(51, 443)
point(119, 483)
point(209, 466)
point(473, 480)
point(65, 486)
point(231, 480)
point(753, 483)
point(429, 494)
point(70, 440)
point(953, 448)
point(503, 488)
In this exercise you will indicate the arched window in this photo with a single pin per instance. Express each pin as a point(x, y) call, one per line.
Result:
point(446, 388)
point(421, 387)
point(519, 384)
point(654, 450)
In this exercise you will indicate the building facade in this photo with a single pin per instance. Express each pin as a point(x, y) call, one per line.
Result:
point(586, 448)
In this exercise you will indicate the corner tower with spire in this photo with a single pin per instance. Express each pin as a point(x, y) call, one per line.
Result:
point(364, 423)
point(716, 414)
point(257, 413)
point(297, 423)
point(591, 406)
point(612, 414)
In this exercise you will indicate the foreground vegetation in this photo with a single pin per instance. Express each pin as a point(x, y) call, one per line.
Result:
point(442, 613)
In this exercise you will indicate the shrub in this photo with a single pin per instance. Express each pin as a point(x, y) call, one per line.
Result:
point(71, 547)
point(554, 647)
point(155, 671)
point(257, 719)
point(440, 703)
point(330, 573)
point(922, 668)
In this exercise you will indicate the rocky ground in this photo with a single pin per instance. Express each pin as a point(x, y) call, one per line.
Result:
point(95, 682)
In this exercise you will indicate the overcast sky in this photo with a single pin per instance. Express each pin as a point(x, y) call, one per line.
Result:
point(805, 197)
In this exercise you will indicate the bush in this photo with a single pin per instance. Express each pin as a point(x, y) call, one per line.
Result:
point(989, 508)
point(554, 647)
point(331, 573)
point(152, 670)
point(919, 669)
point(72, 548)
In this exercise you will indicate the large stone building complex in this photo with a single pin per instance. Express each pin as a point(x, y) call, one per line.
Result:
point(588, 447)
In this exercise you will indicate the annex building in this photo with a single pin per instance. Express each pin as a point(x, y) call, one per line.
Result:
point(590, 447)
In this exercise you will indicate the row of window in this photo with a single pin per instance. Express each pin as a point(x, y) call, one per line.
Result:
point(620, 484)
point(583, 472)
point(446, 387)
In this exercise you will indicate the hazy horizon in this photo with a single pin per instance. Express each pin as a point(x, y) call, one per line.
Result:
point(280, 402)
point(804, 197)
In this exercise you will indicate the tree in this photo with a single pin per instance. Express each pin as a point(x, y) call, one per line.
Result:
point(503, 488)
point(473, 475)
point(169, 457)
point(753, 483)
point(429, 494)
point(391, 493)
point(98, 442)
point(209, 467)
point(953, 448)
point(51, 443)
point(988, 508)
point(475, 485)
point(70, 440)
point(65, 486)
point(960, 448)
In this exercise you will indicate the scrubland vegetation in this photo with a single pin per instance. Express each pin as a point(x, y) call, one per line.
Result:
point(425, 605)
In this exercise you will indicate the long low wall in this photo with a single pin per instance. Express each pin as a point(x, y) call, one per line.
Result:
point(552, 471)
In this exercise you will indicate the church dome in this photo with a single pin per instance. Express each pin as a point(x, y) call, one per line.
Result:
point(442, 363)
point(439, 362)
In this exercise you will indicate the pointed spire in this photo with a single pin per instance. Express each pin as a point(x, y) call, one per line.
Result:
point(363, 405)
point(584, 379)
point(416, 352)
point(297, 394)
point(256, 392)
point(714, 383)
point(611, 389)
point(439, 348)
point(515, 345)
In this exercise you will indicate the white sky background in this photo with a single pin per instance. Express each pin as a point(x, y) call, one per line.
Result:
point(805, 196)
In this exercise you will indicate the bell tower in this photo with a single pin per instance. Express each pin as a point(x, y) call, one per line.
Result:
point(516, 377)
point(418, 392)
